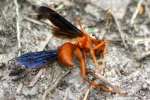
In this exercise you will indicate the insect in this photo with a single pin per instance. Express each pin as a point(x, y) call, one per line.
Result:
point(81, 48)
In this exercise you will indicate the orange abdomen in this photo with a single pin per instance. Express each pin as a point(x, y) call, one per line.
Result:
point(65, 54)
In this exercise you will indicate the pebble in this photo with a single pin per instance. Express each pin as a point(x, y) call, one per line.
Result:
point(145, 86)
point(30, 92)
point(2, 65)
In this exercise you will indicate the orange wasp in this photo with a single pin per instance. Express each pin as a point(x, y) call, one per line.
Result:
point(81, 48)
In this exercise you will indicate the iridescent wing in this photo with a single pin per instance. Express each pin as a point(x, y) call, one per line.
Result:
point(62, 26)
point(37, 59)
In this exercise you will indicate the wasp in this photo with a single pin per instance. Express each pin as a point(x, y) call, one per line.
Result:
point(81, 48)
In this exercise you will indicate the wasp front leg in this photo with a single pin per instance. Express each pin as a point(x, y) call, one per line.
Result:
point(100, 47)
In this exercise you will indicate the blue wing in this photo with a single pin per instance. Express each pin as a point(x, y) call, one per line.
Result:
point(37, 59)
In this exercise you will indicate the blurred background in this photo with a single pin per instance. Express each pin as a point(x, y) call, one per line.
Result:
point(125, 23)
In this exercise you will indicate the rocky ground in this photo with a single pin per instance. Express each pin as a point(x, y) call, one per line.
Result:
point(127, 62)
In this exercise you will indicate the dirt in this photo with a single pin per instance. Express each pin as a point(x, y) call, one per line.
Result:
point(127, 59)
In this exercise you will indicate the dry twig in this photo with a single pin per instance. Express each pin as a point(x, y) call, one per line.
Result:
point(140, 40)
point(40, 49)
point(144, 55)
point(136, 12)
point(33, 20)
point(20, 86)
point(18, 25)
point(36, 78)
point(122, 34)
point(147, 8)
point(115, 89)
point(54, 85)
point(18, 37)
point(87, 93)
point(66, 95)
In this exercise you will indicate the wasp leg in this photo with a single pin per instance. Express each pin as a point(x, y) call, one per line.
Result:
point(81, 57)
point(92, 52)
point(101, 86)
point(101, 47)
